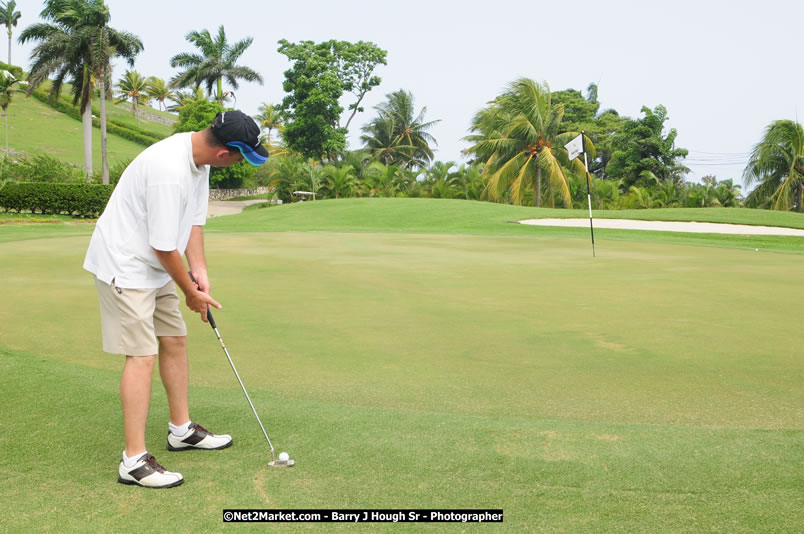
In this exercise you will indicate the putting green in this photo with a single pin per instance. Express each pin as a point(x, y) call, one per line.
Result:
point(657, 387)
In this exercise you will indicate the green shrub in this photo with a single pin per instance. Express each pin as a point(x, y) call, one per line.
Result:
point(115, 172)
point(264, 176)
point(196, 116)
point(15, 71)
point(130, 134)
point(232, 177)
point(72, 199)
point(42, 168)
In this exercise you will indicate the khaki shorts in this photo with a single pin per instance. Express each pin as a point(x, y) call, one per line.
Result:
point(132, 319)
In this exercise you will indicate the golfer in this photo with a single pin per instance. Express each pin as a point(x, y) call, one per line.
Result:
point(154, 217)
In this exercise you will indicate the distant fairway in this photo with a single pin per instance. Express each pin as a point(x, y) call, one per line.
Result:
point(417, 354)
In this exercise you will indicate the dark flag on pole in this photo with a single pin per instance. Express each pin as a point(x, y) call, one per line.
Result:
point(575, 148)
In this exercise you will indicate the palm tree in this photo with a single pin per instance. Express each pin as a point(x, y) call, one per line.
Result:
point(217, 60)
point(519, 142)
point(381, 141)
point(183, 98)
point(381, 180)
point(269, 118)
point(638, 198)
point(7, 83)
point(110, 43)
point(132, 86)
point(606, 192)
point(158, 90)
point(398, 134)
point(728, 194)
point(700, 196)
point(76, 43)
point(311, 179)
point(442, 180)
point(777, 163)
point(666, 195)
point(340, 181)
point(408, 183)
point(9, 17)
point(358, 159)
point(470, 182)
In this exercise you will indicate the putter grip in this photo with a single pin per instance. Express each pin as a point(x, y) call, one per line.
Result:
point(209, 312)
point(210, 319)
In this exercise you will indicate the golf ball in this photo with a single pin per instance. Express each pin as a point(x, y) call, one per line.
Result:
point(757, 249)
point(284, 457)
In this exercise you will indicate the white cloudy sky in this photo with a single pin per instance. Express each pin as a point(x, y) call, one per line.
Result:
point(723, 69)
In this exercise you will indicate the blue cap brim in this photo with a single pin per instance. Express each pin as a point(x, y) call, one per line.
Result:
point(249, 153)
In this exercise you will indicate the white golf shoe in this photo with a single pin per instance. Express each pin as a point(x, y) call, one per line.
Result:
point(149, 474)
point(198, 437)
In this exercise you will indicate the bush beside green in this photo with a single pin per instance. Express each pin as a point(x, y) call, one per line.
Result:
point(41, 168)
point(196, 116)
point(115, 172)
point(15, 71)
point(131, 135)
point(232, 177)
point(53, 198)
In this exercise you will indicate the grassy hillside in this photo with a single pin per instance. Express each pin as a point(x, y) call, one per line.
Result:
point(37, 128)
point(149, 119)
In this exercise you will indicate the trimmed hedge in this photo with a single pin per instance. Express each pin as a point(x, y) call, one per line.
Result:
point(138, 136)
point(84, 200)
point(127, 133)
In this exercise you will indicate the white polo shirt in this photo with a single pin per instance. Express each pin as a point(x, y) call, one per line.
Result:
point(160, 197)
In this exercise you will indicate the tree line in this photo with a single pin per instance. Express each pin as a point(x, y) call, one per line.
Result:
point(516, 153)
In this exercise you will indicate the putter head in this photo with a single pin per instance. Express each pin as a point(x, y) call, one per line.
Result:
point(282, 463)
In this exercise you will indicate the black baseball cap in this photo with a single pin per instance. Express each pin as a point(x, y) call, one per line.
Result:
point(236, 129)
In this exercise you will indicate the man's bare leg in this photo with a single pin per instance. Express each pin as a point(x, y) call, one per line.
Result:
point(174, 372)
point(135, 395)
point(173, 369)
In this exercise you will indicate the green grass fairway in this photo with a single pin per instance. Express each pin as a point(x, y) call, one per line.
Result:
point(426, 354)
point(424, 215)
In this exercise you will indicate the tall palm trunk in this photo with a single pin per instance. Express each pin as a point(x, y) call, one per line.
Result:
point(538, 187)
point(5, 113)
point(104, 155)
point(102, 60)
point(800, 186)
point(9, 45)
point(86, 122)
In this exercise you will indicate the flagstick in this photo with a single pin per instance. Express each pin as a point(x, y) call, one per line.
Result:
point(588, 193)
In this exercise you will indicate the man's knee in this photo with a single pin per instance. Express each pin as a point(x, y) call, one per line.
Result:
point(140, 363)
point(172, 344)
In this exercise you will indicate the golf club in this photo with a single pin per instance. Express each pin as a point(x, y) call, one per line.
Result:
point(274, 462)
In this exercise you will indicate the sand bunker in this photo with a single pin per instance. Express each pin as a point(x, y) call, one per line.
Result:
point(667, 226)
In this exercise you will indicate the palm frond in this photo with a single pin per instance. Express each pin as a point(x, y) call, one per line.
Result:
point(556, 177)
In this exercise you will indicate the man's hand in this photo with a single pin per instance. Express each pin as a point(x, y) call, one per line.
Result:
point(201, 281)
point(198, 301)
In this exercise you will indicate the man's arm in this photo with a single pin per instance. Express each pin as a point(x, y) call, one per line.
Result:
point(197, 259)
point(196, 300)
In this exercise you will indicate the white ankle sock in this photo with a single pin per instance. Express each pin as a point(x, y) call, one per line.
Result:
point(180, 430)
point(130, 462)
